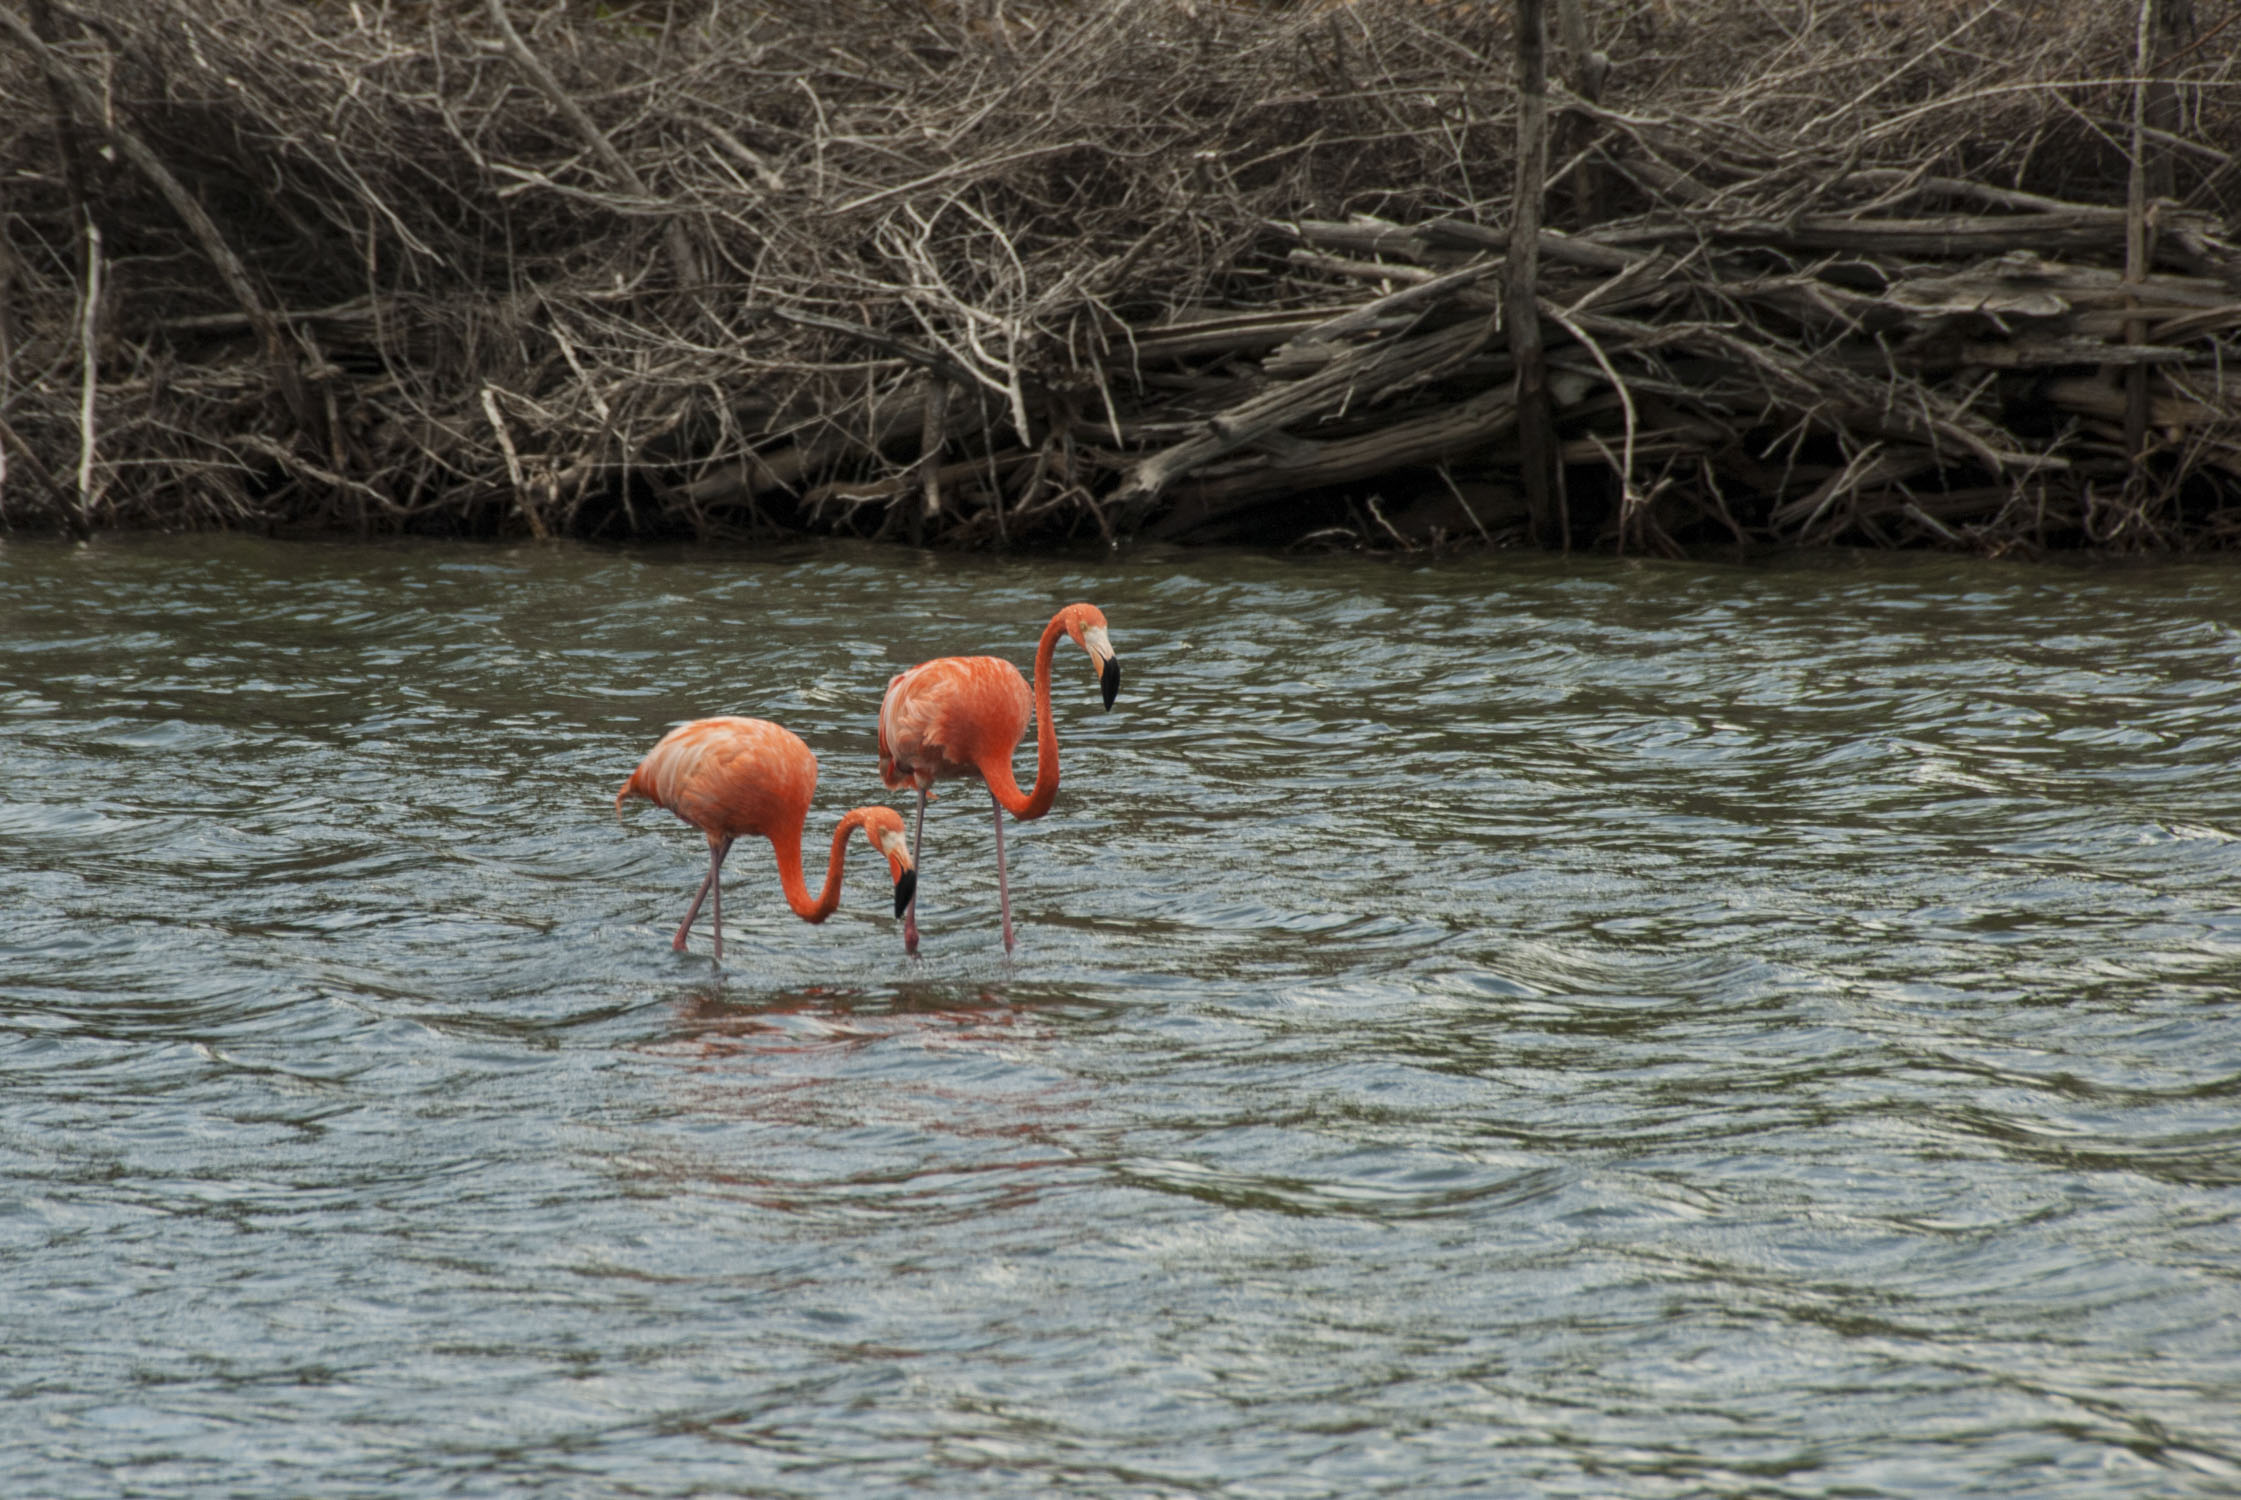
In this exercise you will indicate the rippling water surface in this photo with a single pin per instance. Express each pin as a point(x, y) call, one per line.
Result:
point(1514, 1025)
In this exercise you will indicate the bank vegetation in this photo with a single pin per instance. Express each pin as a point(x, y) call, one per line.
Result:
point(1005, 273)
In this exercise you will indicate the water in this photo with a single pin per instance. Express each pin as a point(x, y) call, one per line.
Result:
point(1512, 1025)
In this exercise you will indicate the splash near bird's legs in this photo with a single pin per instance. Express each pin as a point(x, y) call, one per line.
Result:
point(910, 912)
point(1003, 881)
point(716, 853)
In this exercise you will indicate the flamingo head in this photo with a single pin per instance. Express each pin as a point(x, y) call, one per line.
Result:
point(1086, 624)
point(884, 827)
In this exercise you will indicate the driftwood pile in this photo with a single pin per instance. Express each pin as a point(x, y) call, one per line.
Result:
point(1919, 359)
point(994, 273)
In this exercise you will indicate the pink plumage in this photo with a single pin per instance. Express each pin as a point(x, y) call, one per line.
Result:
point(964, 716)
point(734, 778)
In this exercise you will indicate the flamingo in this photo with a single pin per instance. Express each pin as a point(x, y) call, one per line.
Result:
point(731, 777)
point(963, 716)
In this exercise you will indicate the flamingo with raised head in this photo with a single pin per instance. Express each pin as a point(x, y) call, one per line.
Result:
point(964, 715)
point(730, 778)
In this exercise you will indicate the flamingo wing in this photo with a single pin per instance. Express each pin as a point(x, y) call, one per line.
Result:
point(728, 777)
point(950, 717)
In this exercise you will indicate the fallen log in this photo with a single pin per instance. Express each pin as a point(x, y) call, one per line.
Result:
point(1307, 464)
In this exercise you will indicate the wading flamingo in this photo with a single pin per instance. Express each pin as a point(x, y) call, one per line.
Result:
point(733, 777)
point(963, 716)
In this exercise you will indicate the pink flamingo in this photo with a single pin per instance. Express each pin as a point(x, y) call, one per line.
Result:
point(732, 777)
point(964, 715)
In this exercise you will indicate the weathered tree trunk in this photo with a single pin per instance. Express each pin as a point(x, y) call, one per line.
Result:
point(1584, 72)
point(1536, 425)
point(2172, 32)
point(2137, 248)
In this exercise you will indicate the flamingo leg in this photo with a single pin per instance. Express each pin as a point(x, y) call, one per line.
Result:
point(716, 853)
point(716, 918)
point(686, 926)
point(1003, 881)
point(910, 912)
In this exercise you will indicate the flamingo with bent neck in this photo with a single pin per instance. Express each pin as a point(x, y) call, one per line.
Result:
point(734, 777)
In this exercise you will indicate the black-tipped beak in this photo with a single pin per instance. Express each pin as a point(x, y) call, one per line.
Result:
point(1109, 680)
point(905, 888)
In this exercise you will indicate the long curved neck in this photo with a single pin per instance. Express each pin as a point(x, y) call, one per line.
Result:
point(1036, 801)
point(788, 848)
